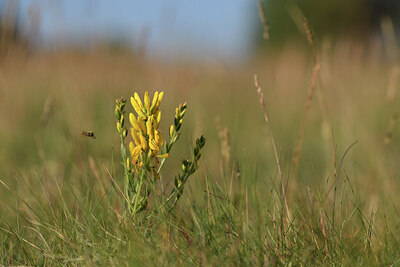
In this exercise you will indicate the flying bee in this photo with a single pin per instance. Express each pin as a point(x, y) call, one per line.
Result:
point(89, 134)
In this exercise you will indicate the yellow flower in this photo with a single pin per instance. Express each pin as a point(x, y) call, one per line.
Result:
point(146, 108)
point(156, 142)
point(143, 142)
point(154, 102)
point(144, 127)
point(135, 136)
point(150, 128)
point(135, 151)
point(163, 156)
point(157, 103)
point(147, 103)
point(128, 164)
point(137, 124)
point(137, 105)
point(157, 119)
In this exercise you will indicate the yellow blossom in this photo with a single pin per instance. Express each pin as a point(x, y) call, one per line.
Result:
point(137, 124)
point(135, 151)
point(154, 102)
point(147, 103)
point(143, 142)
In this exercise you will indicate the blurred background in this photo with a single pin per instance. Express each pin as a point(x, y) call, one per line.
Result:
point(178, 29)
point(63, 63)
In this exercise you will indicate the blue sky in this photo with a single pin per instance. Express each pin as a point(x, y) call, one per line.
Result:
point(201, 28)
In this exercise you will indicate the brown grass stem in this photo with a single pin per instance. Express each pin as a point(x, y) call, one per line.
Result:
point(263, 18)
point(261, 95)
point(300, 139)
point(311, 89)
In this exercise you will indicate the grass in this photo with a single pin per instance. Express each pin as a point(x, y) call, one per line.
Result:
point(60, 198)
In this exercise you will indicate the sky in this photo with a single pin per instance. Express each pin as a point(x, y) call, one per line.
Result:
point(170, 28)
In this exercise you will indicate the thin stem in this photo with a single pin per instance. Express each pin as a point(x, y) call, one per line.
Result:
point(261, 95)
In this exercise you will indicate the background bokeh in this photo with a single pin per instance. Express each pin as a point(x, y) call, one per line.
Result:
point(226, 30)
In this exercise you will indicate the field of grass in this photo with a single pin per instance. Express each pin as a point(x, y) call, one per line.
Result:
point(60, 202)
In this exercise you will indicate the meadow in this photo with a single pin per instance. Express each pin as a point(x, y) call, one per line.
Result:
point(332, 200)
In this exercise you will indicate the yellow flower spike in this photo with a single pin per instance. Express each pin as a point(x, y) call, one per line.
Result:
point(135, 136)
point(143, 142)
point(147, 102)
point(171, 130)
point(155, 100)
point(135, 106)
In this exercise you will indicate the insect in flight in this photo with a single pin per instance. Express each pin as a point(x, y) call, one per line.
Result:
point(89, 134)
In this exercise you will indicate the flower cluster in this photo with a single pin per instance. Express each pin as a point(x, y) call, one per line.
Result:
point(147, 139)
point(148, 152)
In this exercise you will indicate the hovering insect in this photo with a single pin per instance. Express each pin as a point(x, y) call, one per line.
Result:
point(89, 134)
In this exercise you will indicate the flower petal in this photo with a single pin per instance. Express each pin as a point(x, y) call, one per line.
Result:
point(147, 102)
point(149, 127)
point(163, 156)
point(154, 102)
point(160, 97)
point(135, 106)
point(137, 98)
point(135, 136)
point(153, 145)
point(143, 142)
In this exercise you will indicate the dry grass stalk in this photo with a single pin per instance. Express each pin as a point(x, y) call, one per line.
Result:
point(48, 110)
point(263, 18)
point(389, 38)
point(323, 230)
point(96, 174)
point(311, 89)
point(390, 128)
point(261, 95)
point(310, 39)
point(223, 134)
point(393, 83)
point(300, 140)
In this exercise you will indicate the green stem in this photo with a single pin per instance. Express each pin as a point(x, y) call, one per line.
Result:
point(168, 147)
point(127, 176)
point(137, 194)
